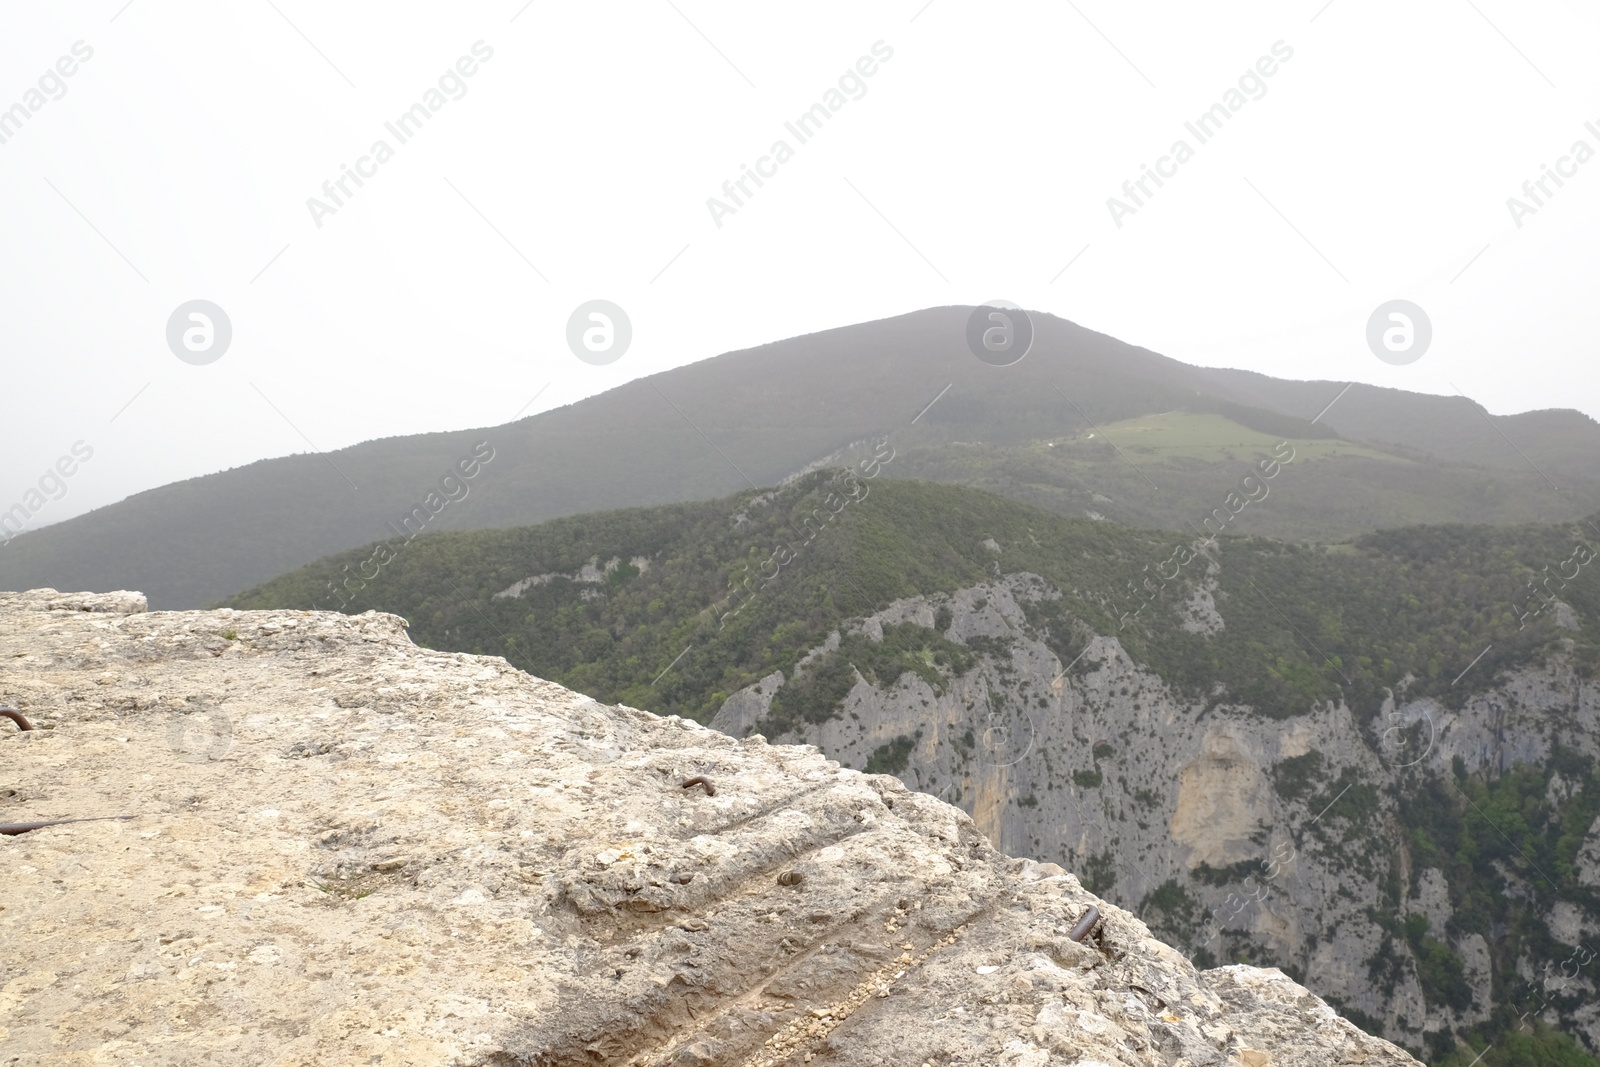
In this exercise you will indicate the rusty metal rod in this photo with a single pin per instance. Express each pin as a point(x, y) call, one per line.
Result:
point(1085, 924)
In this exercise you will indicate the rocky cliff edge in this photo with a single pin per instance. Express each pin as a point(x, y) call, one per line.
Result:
point(344, 849)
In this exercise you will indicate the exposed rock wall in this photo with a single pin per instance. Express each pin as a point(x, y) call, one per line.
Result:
point(344, 849)
point(1174, 806)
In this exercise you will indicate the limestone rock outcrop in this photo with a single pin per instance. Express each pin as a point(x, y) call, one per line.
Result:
point(345, 849)
point(1239, 832)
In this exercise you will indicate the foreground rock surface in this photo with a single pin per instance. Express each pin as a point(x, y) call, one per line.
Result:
point(348, 850)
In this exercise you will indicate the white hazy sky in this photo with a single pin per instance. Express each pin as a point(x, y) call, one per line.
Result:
point(178, 162)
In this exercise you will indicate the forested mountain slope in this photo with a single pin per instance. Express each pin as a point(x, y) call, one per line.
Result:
point(1046, 430)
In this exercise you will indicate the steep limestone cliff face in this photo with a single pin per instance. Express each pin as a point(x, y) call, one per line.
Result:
point(1238, 835)
point(1224, 804)
point(343, 849)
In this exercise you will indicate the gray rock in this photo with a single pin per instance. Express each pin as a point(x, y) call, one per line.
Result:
point(1101, 764)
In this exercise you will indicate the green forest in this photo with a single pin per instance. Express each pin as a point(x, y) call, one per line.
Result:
point(1306, 623)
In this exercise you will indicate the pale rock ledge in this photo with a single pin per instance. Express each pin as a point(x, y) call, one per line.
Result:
point(349, 850)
